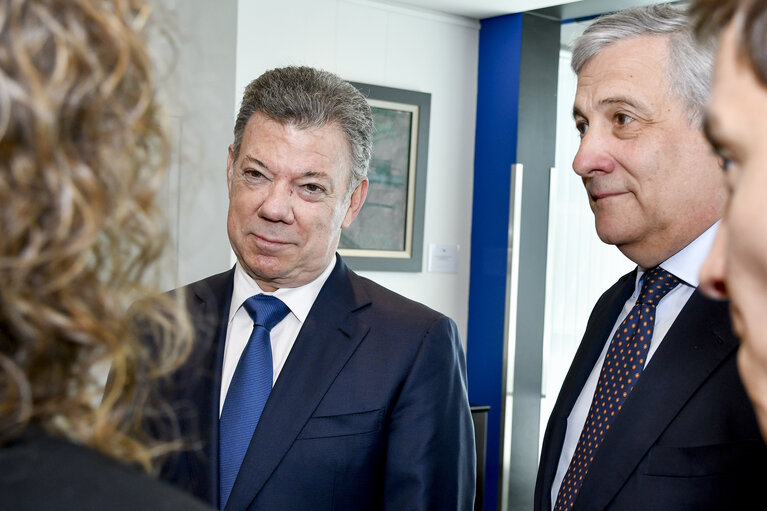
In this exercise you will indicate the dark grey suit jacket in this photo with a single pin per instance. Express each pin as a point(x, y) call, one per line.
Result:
point(370, 410)
point(686, 437)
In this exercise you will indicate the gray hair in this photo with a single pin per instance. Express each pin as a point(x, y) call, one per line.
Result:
point(305, 97)
point(689, 64)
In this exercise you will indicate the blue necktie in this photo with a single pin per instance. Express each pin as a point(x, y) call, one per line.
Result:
point(623, 365)
point(248, 391)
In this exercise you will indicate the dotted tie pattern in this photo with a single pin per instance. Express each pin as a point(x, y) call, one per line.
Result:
point(622, 367)
point(248, 392)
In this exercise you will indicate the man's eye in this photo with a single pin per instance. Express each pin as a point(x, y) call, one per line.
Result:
point(313, 188)
point(582, 127)
point(623, 119)
point(252, 173)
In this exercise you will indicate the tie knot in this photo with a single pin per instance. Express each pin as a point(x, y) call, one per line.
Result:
point(266, 310)
point(657, 283)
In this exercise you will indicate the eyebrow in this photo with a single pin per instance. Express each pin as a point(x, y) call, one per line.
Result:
point(255, 161)
point(314, 173)
point(308, 173)
point(621, 100)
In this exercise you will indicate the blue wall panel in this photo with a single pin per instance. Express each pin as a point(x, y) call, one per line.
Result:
point(495, 152)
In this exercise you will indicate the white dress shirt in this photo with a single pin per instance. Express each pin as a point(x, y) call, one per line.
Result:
point(685, 265)
point(298, 299)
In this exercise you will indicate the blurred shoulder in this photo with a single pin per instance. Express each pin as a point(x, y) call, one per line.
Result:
point(77, 477)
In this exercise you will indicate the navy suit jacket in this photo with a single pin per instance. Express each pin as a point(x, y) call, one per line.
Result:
point(686, 437)
point(370, 410)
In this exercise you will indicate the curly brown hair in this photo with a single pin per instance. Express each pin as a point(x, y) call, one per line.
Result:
point(82, 150)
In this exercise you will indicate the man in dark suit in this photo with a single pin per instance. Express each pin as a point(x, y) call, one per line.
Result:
point(368, 408)
point(652, 414)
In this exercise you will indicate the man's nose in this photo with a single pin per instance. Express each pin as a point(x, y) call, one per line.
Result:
point(713, 273)
point(277, 205)
point(593, 155)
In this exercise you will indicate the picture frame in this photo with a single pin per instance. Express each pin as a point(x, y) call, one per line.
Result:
point(387, 235)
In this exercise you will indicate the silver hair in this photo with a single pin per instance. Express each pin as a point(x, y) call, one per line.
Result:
point(689, 65)
point(305, 97)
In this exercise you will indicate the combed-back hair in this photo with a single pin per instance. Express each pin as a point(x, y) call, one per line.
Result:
point(689, 65)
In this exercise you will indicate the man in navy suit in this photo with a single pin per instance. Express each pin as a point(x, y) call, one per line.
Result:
point(369, 407)
point(664, 424)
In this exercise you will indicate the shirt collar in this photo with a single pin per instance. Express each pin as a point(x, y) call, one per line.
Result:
point(298, 299)
point(686, 263)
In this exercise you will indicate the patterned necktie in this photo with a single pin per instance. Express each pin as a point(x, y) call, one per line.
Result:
point(622, 367)
point(248, 391)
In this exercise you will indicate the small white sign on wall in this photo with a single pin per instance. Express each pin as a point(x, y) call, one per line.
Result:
point(443, 258)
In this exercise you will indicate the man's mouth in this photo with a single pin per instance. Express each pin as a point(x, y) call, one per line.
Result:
point(605, 195)
point(270, 242)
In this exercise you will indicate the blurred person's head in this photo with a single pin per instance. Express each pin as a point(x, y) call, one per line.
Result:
point(652, 183)
point(81, 155)
point(296, 173)
point(736, 126)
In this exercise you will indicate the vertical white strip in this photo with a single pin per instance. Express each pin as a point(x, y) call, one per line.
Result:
point(510, 323)
point(512, 273)
point(553, 236)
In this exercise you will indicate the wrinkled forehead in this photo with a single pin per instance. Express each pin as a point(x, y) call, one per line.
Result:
point(632, 70)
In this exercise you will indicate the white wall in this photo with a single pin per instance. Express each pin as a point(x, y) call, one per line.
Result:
point(197, 85)
point(392, 46)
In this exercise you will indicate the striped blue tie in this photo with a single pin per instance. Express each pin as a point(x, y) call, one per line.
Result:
point(248, 391)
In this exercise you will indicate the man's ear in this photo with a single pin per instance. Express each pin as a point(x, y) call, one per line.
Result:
point(229, 169)
point(355, 203)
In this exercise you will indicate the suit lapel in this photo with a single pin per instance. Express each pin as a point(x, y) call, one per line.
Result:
point(701, 337)
point(598, 329)
point(327, 339)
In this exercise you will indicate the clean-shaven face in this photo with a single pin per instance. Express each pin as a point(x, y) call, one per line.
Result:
point(652, 182)
point(288, 200)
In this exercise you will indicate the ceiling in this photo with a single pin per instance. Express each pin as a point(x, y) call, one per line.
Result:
point(480, 8)
point(562, 9)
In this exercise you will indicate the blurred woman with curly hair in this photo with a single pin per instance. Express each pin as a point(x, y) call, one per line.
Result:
point(82, 151)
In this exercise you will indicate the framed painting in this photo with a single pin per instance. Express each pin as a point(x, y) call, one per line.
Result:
point(388, 232)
